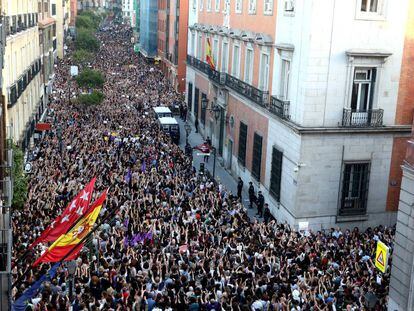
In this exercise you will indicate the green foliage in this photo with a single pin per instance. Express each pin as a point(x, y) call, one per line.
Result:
point(88, 19)
point(85, 40)
point(94, 98)
point(90, 78)
point(82, 56)
point(84, 22)
point(20, 180)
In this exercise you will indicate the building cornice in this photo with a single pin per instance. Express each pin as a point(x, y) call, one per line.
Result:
point(234, 33)
point(368, 53)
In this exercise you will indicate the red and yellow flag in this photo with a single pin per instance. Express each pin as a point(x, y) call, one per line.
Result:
point(74, 211)
point(72, 242)
point(209, 55)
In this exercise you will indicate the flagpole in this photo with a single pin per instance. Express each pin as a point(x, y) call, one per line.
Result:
point(18, 281)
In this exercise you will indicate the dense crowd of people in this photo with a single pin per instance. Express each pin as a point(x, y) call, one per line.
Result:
point(177, 242)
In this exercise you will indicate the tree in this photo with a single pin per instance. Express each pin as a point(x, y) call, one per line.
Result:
point(90, 78)
point(85, 40)
point(89, 19)
point(93, 98)
point(86, 22)
point(82, 56)
point(20, 180)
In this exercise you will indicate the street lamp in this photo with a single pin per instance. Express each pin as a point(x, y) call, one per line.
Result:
point(187, 128)
point(214, 108)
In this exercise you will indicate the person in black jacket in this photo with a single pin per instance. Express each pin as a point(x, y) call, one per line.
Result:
point(266, 213)
point(239, 189)
point(260, 204)
point(252, 196)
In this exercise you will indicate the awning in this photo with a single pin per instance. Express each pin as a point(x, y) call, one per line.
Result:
point(43, 127)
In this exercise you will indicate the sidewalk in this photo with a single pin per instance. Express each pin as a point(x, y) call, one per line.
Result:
point(221, 174)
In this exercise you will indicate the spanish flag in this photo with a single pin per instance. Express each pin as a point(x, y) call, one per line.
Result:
point(209, 55)
point(72, 213)
point(68, 246)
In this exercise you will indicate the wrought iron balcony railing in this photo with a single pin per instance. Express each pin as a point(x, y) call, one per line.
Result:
point(198, 64)
point(258, 96)
point(280, 107)
point(20, 22)
point(358, 118)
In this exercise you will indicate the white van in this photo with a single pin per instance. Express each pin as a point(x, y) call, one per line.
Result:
point(170, 125)
point(162, 112)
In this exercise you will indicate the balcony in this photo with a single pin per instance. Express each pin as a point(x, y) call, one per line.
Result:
point(20, 22)
point(198, 64)
point(368, 118)
point(18, 87)
point(280, 107)
point(254, 94)
point(217, 76)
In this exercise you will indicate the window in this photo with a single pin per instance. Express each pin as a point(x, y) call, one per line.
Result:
point(225, 57)
point(199, 47)
point(193, 45)
point(217, 5)
point(363, 89)
point(369, 6)
point(209, 5)
point(370, 9)
point(235, 67)
point(242, 143)
point(239, 4)
point(190, 96)
point(201, 4)
point(248, 69)
point(284, 79)
point(268, 7)
point(355, 183)
point(264, 72)
point(227, 6)
point(216, 52)
point(257, 156)
point(276, 173)
point(252, 6)
point(194, 4)
point(289, 6)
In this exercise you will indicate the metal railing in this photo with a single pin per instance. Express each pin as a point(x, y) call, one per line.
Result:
point(249, 91)
point(258, 96)
point(357, 118)
point(198, 64)
point(16, 89)
point(20, 22)
point(280, 107)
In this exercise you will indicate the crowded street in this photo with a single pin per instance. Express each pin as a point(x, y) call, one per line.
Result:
point(171, 239)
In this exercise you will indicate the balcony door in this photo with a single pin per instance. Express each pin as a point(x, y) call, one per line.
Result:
point(362, 95)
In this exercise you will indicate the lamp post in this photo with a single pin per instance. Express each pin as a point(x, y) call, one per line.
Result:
point(187, 128)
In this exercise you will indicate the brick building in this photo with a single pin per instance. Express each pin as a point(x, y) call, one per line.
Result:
point(230, 99)
point(172, 40)
point(303, 102)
